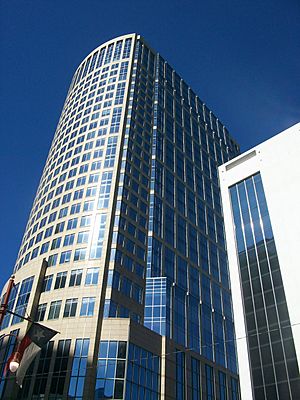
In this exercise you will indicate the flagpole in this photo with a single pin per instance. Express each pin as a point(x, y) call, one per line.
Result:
point(21, 316)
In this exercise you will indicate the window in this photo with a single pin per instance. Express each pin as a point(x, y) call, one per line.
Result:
point(92, 276)
point(234, 389)
point(78, 194)
point(75, 208)
point(209, 374)
point(138, 370)
point(83, 237)
point(55, 203)
point(120, 93)
point(66, 198)
point(94, 178)
point(72, 223)
point(43, 368)
point(10, 306)
point(86, 220)
point(75, 277)
point(69, 240)
point(80, 182)
point(98, 236)
point(87, 307)
point(96, 165)
point(88, 206)
point(48, 232)
point(91, 191)
point(34, 253)
point(52, 260)
point(222, 386)
point(115, 121)
point(30, 243)
point(79, 368)
point(127, 47)
point(23, 298)
point(70, 308)
point(60, 368)
point(54, 309)
point(47, 283)
point(180, 375)
point(52, 217)
point(46, 208)
point(41, 311)
point(110, 152)
point(44, 248)
point(56, 243)
point(84, 168)
point(196, 394)
point(60, 281)
point(80, 254)
point(38, 237)
point(65, 257)
point(105, 189)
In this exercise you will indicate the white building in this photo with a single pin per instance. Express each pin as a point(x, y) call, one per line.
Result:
point(261, 200)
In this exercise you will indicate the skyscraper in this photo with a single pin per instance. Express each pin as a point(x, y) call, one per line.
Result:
point(128, 219)
point(260, 193)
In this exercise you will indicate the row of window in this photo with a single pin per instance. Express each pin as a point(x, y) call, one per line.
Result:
point(85, 91)
point(18, 302)
point(95, 252)
point(91, 278)
point(80, 100)
point(228, 387)
point(70, 309)
point(176, 313)
point(125, 286)
point(109, 157)
point(115, 310)
point(78, 107)
point(92, 179)
point(105, 55)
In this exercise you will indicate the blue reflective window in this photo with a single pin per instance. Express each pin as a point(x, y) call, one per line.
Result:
point(196, 372)
point(234, 389)
point(222, 385)
point(10, 306)
point(92, 276)
point(58, 379)
point(23, 298)
point(79, 367)
point(87, 306)
point(259, 268)
point(180, 375)
point(143, 374)
point(210, 387)
point(110, 370)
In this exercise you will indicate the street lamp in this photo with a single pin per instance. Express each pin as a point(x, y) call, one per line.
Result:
point(15, 362)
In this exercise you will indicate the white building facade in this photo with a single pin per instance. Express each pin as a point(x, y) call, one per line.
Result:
point(260, 193)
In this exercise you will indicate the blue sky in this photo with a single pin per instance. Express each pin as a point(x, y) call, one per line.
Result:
point(240, 57)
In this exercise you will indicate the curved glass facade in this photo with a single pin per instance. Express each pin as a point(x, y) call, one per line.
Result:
point(127, 218)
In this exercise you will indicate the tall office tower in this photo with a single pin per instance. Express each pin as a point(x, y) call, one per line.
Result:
point(260, 193)
point(128, 217)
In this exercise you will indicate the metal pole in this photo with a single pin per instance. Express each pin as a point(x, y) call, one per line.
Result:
point(20, 316)
point(3, 308)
